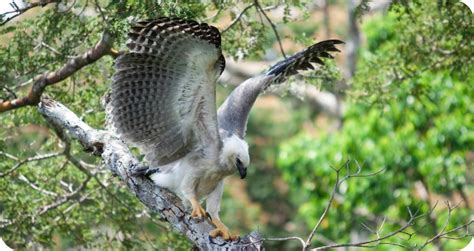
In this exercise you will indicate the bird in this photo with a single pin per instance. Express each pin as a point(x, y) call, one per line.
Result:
point(163, 100)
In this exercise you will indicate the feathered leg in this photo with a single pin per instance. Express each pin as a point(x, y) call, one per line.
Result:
point(188, 188)
point(213, 206)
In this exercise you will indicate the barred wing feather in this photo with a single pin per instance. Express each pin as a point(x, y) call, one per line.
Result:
point(163, 92)
point(233, 113)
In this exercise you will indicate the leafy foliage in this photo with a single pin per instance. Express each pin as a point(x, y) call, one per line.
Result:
point(417, 126)
point(416, 38)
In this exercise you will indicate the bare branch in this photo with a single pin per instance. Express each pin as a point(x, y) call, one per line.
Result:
point(63, 199)
point(413, 218)
point(35, 187)
point(237, 19)
point(19, 11)
point(118, 158)
point(261, 10)
point(338, 182)
point(288, 239)
point(443, 233)
point(9, 155)
point(102, 48)
point(31, 159)
point(323, 215)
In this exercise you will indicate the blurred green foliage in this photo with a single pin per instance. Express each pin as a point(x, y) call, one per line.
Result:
point(423, 140)
point(416, 123)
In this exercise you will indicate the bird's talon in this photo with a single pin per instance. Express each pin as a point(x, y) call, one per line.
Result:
point(198, 212)
point(224, 233)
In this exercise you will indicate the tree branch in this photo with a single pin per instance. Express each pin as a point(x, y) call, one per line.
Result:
point(443, 233)
point(260, 9)
point(338, 182)
point(326, 210)
point(30, 159)
point(18, 11)
point(118, 158)
point(413, 218)
point(237, 19)
point(102, 48)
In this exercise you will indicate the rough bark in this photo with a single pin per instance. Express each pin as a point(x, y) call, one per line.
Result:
point(118, 158)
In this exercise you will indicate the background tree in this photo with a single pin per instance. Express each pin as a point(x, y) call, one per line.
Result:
point(408, 112)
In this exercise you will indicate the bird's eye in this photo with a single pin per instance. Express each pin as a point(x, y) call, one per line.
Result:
point(239, 163)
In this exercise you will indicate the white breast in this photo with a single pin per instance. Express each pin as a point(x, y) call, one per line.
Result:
point(183, 173)
point(171, 178)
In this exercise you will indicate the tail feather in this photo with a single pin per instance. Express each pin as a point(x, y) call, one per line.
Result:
point(303, 59)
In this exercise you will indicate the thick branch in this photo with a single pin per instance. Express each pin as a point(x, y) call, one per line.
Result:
point(118, 158)
point(102, 48)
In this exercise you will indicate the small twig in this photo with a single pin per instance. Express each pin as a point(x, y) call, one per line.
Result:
point(260, 9)
point(413, 218)
point(237, 19)
point(287, 239)
point(102, 15)
point(10, 92)
point(9, 155)
point(30, 159)
point(63, 199)
point(35, 187)
point(20, 11)
point(49, 47)
point(338, 182)
point(323, 215)
point(357, 173)
point(442, 233)
point(83, 8)
point(218, 12)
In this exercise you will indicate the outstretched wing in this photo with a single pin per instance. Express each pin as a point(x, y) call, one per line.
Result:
point(163, 91)
point(233, 113)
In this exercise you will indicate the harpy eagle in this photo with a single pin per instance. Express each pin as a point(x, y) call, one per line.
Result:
point(163, 100)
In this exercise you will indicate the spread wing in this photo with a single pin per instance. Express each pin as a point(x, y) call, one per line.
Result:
point(163, 91)
point(233, 113)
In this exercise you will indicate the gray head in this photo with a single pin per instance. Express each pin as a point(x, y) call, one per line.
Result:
point(235, 155)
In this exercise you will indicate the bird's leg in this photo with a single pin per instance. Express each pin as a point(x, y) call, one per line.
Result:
point(188, 188)
point(198, 211)
point(221, 230)
point(213, 206)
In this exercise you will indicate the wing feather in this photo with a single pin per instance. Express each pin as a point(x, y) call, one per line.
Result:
point(233, 113)
point(163, 91)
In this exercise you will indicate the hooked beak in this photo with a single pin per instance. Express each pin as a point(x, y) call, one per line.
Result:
point(242, 169)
